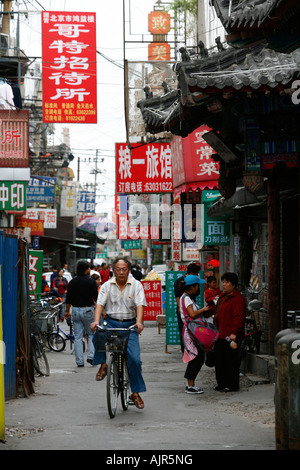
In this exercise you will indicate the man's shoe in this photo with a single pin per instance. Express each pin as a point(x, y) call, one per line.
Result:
point(90, 361)
point(135, 397)
point(102, 372)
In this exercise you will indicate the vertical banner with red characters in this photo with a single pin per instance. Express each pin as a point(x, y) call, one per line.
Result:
point(69, 67)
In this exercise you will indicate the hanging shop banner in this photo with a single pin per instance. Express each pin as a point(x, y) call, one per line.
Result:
point(214, 230)
point(68, 199)
point(146, 168)
point(36, 226)
point(172, 330)
point(86, 202)
point(192, 160)
point(36, 259)
point(14, 138)
point(12, 196)
point(159, 51)
point(41, 189)
point(48, 216)
point(152, 291)
point(159, 22)
point(69, 67)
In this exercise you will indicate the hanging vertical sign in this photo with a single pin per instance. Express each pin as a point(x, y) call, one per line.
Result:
point(69, 67)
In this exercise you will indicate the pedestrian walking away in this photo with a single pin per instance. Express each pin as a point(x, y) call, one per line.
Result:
point(230, 321)
point(81, 295)
point(60, 284)
point(193, 355)
point(121, 303)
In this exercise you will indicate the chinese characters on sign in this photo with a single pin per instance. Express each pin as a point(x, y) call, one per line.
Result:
point(48, 216)
point(214, 232)
point(12, 196)
point(159, 51)
point(41, 189)
point(159, 22)
point(69, 67)
point(86, 201)
point(14, 138)
point(144, 169)
point(35, 272)
point(152, 291)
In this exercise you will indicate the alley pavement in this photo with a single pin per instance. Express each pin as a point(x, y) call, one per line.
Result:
point(68, 410)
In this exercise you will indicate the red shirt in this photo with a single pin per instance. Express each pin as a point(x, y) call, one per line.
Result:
point(230, 316)
point(104, 275)
point(210, 294)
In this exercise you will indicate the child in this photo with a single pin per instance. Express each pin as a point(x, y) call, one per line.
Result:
point(212, 292)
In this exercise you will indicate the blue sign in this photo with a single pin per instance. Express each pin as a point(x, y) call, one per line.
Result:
point(86, 202)
point(41, 189)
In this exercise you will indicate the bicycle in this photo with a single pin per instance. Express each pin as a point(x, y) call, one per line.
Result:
point(253, 330)
point(57, 340)
point(39, 358)
point(118, 383)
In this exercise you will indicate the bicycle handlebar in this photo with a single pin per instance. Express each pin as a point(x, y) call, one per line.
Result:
point(104, 328)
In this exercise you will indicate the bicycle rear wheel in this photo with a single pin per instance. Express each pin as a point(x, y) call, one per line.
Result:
point(40, 361)
point(125, 392)
point(56, 342)
point(112, 385)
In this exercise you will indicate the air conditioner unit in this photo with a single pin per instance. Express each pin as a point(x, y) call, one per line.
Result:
point(4, 43)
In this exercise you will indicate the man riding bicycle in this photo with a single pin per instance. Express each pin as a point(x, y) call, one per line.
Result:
point(121, 303)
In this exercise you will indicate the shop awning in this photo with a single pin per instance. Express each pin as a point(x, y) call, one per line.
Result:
point(198, 186)
point(77, 245)
point(240, 200)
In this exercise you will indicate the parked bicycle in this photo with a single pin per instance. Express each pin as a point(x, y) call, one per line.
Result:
point(115, 340)
point(253, 329)
point(57, 340)
point(39, 358)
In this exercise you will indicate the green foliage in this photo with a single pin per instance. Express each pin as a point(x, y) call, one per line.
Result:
point(179, 7)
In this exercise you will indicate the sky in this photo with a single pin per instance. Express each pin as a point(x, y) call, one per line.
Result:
point(87, 138)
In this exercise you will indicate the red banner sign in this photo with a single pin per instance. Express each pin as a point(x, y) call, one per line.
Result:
point(159, 22)
point(14, 138)
point(69, 67)
point(144, 169)
point(192, 159)
point(36, 225)
point(159, 51)
point(152, 291)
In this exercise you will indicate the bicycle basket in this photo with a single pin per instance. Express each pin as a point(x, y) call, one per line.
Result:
point(108, 341)
point(42, 322)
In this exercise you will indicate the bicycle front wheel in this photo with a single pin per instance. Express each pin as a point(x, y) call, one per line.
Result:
point(125, 392)
point(112, 385)
point(40, 361)
point(56, 342)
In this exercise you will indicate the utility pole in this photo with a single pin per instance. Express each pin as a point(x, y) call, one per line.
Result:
point(6, 17)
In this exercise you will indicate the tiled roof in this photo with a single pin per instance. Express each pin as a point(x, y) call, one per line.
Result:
point(245, 13)
point(200, 81)
point(237, 69)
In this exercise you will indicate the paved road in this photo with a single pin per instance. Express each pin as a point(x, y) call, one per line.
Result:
point(68, 410)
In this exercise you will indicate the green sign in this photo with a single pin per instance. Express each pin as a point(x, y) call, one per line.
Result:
point(133, 244)
point(35, 271)
point(12, 195)
point(172, 331)
point(215, 230)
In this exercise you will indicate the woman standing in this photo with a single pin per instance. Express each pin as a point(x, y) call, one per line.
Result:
point(230, 321)
point(60, 284)
point(190, 310)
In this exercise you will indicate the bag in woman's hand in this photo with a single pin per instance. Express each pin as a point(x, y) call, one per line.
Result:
point(204, 334)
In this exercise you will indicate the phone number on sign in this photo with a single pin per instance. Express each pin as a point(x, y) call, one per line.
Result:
point(158, 187)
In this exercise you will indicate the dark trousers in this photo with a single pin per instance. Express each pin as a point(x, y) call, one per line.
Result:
point(227, 365)
point(194, 366)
